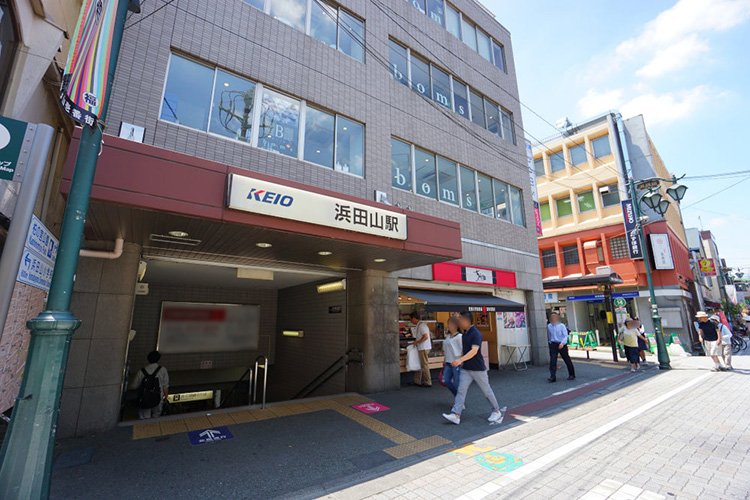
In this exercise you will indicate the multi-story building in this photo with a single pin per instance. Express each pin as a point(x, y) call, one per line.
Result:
point(708, 268)
point(319, 163)
point(582, 181)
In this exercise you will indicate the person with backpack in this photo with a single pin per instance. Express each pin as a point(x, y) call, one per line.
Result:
point(152, 382)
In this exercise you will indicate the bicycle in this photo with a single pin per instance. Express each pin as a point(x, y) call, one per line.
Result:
point(739, 343)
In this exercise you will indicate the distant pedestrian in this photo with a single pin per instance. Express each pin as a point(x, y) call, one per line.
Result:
point(473, 369)
point(708, 334)
point(452, 349)
point(152, 382)
point(643, 344)
point(629, 336)
point(726, 342)
point(423, 343)
point(557, 335)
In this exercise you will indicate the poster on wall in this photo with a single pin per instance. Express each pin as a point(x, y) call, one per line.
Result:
point(513, 320)
point(520, 319)
point(661, 251)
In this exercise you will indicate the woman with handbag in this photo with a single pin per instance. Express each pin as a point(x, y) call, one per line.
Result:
point(452, 349)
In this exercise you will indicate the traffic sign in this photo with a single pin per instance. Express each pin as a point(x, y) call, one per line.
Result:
point(12, 154)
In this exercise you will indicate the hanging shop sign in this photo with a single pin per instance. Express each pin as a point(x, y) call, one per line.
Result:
point(84, 81)
point(707, 267)
point(631, 230)
point(458, 273)
point(276, 200)
point(534, 192)
point(13, 157)
point(600, 296)
point(661, 251)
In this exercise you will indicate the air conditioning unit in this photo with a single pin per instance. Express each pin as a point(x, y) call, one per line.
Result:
point(605, 190)
point(603, 271)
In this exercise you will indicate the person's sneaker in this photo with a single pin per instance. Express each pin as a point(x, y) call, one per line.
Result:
point(497, 416)
point(632, 370)
point(571, 377)
point(452, 418)
point(550, 380)
point(730, 368)
point(715, 369)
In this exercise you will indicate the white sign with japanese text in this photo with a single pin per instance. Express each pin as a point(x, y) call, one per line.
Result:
point(276, 200)
point(39, 256)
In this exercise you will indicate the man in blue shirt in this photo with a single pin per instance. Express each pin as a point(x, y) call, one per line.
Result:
point(557, 334)
point(473, 370)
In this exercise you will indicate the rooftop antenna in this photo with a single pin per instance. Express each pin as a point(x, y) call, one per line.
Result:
point(701, 222)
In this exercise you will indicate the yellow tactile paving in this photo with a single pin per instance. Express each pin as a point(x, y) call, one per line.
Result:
point(298, 409)
point(220, 419)
point(319, 404)
point(142, 431)
point(262, 414)
point(375, 425)
point(352, 400)
point(197, 423)
point(172, 427)
point(280, 411)
point(416, 446)
point(243, 417)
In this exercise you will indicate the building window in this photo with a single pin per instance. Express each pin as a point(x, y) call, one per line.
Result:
point(424, 171)
point(611, 197)
point(484, 45)
point(448, 179)
point(8, 41)
point(570, 255)
point(549, 258)
point(618, 248)
point(400, 165)
point(398, 60)
point(601, 146)
point(501, 199)
point(477, 110)
point(441, 87)
point(486, 202)
point(435, 11)
point(539, 167)
point(468, 33)
point(564, 209)
point(232, 109)
point(452, 21)
point(557, 162)
point(290, 12)
point(323, 21)
point(419, 5)
point(468, 189)
point(586, 201)
point(578, 154)
point(544, 211)
point(351, 35)
point(319, 137)
point(516, 206)
point(420, 76)
point(187, 95)
point(493, 117)
point(279, 123)
point(460, 99)
point(350, 147)
point(498, 55)
point(508, 130)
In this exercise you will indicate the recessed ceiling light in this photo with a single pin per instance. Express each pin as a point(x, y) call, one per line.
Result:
point(263, 245)
point(178, 234)
point(318, 151)
point(345, 128)
point(379, 260)
point(226, 84)
point(325, 252)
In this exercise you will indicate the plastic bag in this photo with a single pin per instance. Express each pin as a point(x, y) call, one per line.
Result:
point(412, 359)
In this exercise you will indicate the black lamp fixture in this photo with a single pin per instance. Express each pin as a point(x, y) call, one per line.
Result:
point(677, 191)
point(652, 199)
point(662, 207)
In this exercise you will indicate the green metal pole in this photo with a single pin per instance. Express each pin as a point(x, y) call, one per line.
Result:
point(661, 346)
point(26, 458)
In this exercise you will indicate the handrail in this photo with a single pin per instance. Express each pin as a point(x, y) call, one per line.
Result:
point(235, 387)
point(265, 379)
point(316, 382)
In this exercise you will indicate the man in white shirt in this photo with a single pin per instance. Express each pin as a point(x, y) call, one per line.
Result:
point(422, 341)
point(557, 334)
point(162, 376)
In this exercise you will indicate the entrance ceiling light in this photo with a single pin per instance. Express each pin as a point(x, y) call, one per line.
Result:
point(178, 234)
point(379, 260)
point(325, 253)
point(263, 245)
point(333, 286)
point(677, 192)
point(652, 199)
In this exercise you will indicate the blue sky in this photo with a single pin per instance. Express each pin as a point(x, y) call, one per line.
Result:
point(684, 65)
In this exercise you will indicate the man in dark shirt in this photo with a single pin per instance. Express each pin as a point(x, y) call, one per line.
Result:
point(472, 365)
point(709, 336)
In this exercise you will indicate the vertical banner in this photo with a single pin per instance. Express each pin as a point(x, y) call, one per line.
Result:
point(84, 80)
point(631, 230)
point(534, 192)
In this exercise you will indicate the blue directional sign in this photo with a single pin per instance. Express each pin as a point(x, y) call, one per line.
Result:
point(207, 436)
point(39, 255)
point(41, 241)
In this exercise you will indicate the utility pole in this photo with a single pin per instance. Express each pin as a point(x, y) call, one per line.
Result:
point(26, 458)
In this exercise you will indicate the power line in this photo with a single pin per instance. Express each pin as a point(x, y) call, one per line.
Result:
point(740, 173)
point(716, 193)
point(169, 2)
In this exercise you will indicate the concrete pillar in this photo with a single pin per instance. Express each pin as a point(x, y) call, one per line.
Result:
point(103, 300)
point(373, 328)
point(537, 324)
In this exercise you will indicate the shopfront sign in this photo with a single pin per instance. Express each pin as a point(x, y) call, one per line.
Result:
point(458, 273)
point(534, 192)
point(707, 267)
point(600, 296)
point(661, 251)
point(39, 256)
point(276, 200)
point(550, 297)
point(12, 154)
point(631, 230)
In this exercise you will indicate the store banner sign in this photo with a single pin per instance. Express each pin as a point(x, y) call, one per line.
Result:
point(661, 251)
point(276, 200)
point(631, 230)
point(458, 273)
point(534, 191)
point(707, 267)
point(84, 80)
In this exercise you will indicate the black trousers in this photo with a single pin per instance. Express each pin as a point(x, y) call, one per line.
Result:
point(554, 350)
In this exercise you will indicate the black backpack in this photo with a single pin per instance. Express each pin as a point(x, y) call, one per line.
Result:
point(150, 393)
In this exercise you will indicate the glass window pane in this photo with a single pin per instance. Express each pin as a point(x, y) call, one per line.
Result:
point(586, 201)
point(448, 181)
point(557, 162)
point(319, 133)
point(545, 211)
point(477, 110)
point(549, 258)
point(441, 87)
point(420, 76)
point(452, 21)
point(578, 154)
point(493, 116)
point(398, 63)
point(419, 4)
point(468, 191)
point(435, 11)
point(258, 4)
point(232, 111)
point(351, 35)
point(279, 123)
point(486, 202)
point(350, 146)
point(563, 207)
point(460, 101)
point(570, 255)
point(187, 96)
point(424, 170)
point(516, 205)
point(539, 167)
point(498, 55)
point(484, 45)
point(601, 147)
point(611, 198)
point(400, 164)
point(468, 34)
point(323, 22)
point(508, 130)
point(290, 12)
point(501, 199)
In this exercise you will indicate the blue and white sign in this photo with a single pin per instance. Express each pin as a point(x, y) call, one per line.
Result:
point(631, 230)
point(39, 255)
point(600, 296)
point(207, 436)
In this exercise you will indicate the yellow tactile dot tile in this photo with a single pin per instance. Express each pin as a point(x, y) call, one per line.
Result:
point(375, 425)
point(298, 408)
point(197, 423)
point(417, 446)
point(172, 427)
point(242, 417)
point(142, 431)
point(280, 411)
point(262, 414)
point(220, 419)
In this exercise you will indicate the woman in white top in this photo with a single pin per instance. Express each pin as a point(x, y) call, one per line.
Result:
point(726, 342)
point(453, 350)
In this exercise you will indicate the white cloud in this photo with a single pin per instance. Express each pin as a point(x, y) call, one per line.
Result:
point(669, 106)
point(674, 57)
point(595, 102)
